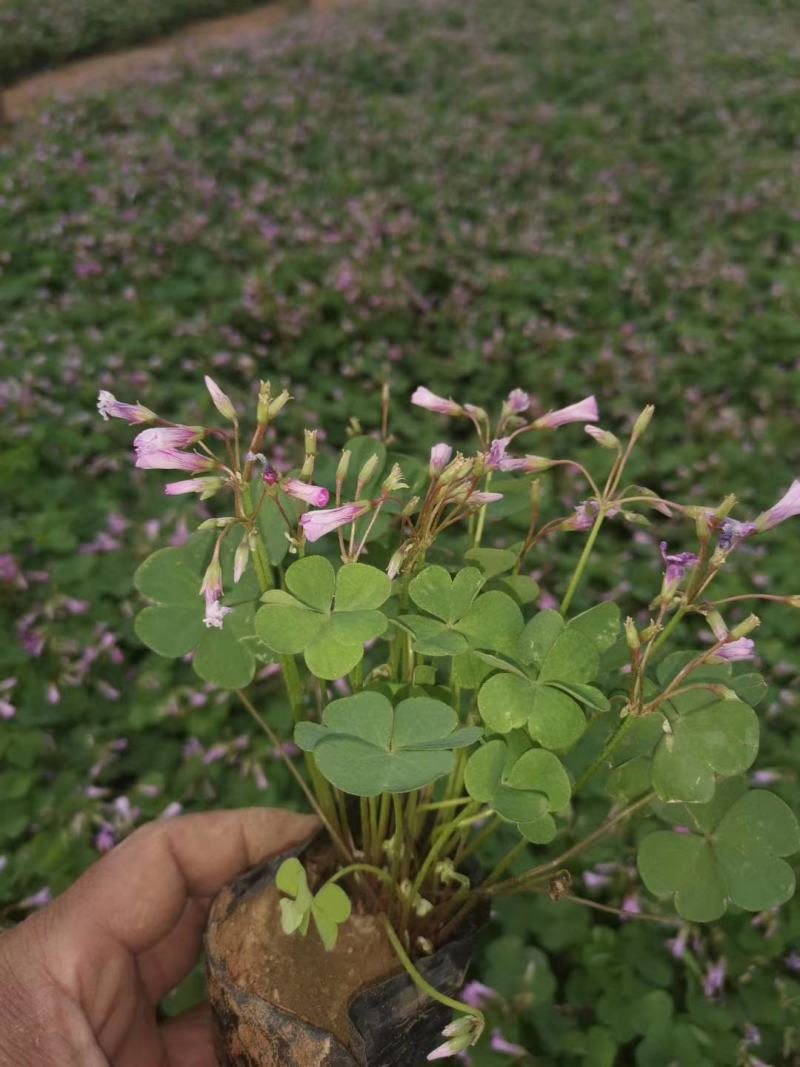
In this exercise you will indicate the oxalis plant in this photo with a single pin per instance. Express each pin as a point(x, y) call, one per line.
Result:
point(434, 701)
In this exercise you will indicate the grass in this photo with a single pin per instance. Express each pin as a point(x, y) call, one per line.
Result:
point(470, 195)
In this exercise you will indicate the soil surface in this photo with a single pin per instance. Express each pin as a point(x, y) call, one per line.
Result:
point(98, 72)
point(296, 973)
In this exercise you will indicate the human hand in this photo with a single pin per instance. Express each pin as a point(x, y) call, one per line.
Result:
point(80, 980)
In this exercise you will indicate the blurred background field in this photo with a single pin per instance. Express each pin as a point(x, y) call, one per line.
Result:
point(471, 195)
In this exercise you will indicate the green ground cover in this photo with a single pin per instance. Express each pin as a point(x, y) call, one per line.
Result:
point(45, 34)
point(472, 196)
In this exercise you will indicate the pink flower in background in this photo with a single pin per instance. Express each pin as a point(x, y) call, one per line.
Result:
point(170, 459)
point(318, 523)
point(476, 994)
point(518, 401)
point(499, 1044)
point(441, 455)
point(424, 398)
point(194, 485)
point(714, 978)
point(496, 455)
point(584, 411)
point(158, 437)
point(526, 464)
point(787, 507)
point(309, 494)
point(111, 408)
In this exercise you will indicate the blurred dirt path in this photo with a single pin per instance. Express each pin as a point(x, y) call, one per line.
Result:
point(112, 68)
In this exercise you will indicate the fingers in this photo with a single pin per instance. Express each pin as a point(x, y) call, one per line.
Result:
point(137, 893)
point(189, 1039)
point(165, 964)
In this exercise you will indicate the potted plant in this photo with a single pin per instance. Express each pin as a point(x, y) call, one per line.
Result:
point(436, 702)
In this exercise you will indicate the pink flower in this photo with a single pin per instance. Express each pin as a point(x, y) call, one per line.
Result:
point(500, 1044)
point(584, 411)
point(170, 459)
point(211, 589)
point(205, 486)
point(527, 464)
point(222, 402)
point(485, 498)
point(159, 437)
point(496, 455)
point(517, 401)
point(743, 648)
point(310, 494)
point(318, 523)
point(677, 564)
point(111, 408)
point(476, 994)
point(424, 398)
point(440, 457)
point(215, 614)
point(787, 507)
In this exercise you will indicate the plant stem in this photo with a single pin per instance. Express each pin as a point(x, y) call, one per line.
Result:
point(616, 739)
point(324, 819)
point(507, 861)
point(479, 525)
point(584, 559)
point(421, 983)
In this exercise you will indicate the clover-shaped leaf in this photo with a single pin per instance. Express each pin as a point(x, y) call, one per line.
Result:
point(737, 860)
point(172, 625)
point(365, 746)
point(521, 789)
point(507, 702)
point(459, 619)
point(719, 738)
point(324, 614)
point(329, 907)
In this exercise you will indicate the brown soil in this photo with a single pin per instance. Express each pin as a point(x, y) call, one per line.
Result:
point(296, 973)
point(98, 72)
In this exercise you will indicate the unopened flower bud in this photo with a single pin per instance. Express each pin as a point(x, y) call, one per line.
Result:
point(264, 398)
point(725, 508)
point(222, 402)
point(746, 626)
point(216, 524)
point(410, 507)
point(279, 403)
point(366, 472)
point(310, 438)
point(604, 438)
point(642, 422)
point(240, 559)
point(457, 469)
point(632, 635)
point(344, 464)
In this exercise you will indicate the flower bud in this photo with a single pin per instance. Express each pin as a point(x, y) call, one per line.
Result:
point(366, 472)
point(793, 601)
point(217, 524)
point(264, 398)
point(310, 438)
point(344, 464)
point(746, 626)
point(725, 508)
point(221, 401)
point(642, 422)
point(632, 635)
point(240, 559)
point(604, 438)
point(279, 403)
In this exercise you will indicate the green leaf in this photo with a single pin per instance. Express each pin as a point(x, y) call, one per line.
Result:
point(521, 790)
point(313, 581)
point(287, 630)
point(291, 876)
point(330, 907)
point(740, 862)
point(672, 665)
point(223, 657)
point(571, 658)
point(600, 624)
point(539, 636)
point(447, 599)
point(366, 747)
point(360, 587)
point(434, 638)
point(584, 694)
point(504, 702)
point(492, 561)
point(171, 630)
point(494, 622)
point(329, 658)
point(721, 737)
point(520, 587)
point(507, 702)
